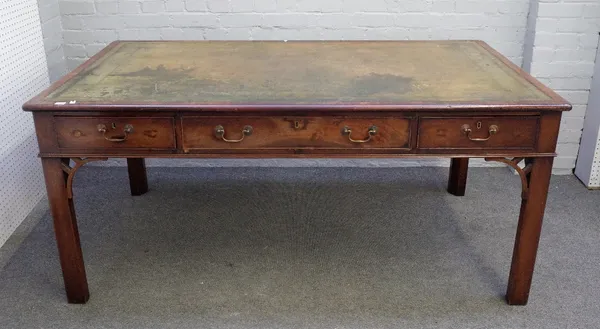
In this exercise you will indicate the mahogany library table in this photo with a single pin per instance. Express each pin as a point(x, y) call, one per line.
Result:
point(271, 99)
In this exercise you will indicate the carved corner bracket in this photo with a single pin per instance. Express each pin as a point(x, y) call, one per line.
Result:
point(523, 172)
point(70, 171)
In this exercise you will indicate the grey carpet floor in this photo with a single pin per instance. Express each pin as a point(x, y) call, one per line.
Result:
point(308, 248)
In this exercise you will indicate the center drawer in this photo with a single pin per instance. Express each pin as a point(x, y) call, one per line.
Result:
point(294, 133)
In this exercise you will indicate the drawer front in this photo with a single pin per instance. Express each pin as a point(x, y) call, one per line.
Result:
point(478, 132)
point(294, 133)
point(115, 132)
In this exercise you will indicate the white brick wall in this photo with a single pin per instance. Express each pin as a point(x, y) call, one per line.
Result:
point(50, 20)
point(563, 47)
point(93, 23)
point(553, 39)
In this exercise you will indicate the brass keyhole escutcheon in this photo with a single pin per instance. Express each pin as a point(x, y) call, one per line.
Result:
point(297, 123)
point(113, 126)
point(478, 124)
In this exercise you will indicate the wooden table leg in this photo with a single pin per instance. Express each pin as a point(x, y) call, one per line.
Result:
point(457, 181)
point(67, 234)
point(138, 180)
point(528, 231)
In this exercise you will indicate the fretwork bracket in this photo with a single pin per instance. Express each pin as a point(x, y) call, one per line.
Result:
point(523, 172)
point(70, 171)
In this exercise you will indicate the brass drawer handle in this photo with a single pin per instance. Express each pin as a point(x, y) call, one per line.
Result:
point(220, 133)
point(128, 129)
point(348, 131)
point(466, 129)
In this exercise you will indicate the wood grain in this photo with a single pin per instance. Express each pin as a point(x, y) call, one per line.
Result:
point(528, 232)
point(65, 229)
point(138, 179)
point(148, 133)
point(294, 132)
point(298, 97)
point(513, 132)
point(457, 180)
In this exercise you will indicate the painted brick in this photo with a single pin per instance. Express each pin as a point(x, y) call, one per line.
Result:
point(87, 37)
point(48, 12)
point(129, 7)
point(567, 150)
point(153, 6)
point(241, 6)
point(565, 162)
point(569, 136)
point(228, 34)
point(365, 6)
point(442, 6)
point(195, 6)
point(572, 123)
point(576, 25)
point(308, 6)
point(412, 6)
point(137, 21)
point(218, 6)
point(107, 8)
point(291, 20)
point(475, 6)
point(53, 37)
point(170, 33)
point(591, 10)
point(589, 41)
point(112, 22)
point(75, 50)
point(72, 23)
point(372, 20)
point(332, 6)
point(93, 49)
point(238, 34)
point(191, 33)
point(575, 55)
point(576, 111)
point(76, 7)
point(560, 10)
point(194, 20)
point(241, 20)
point(73, 62)
point(575, 96)
point(569, 83)
point(556, 40)
point(334, 20)
point(562, 69)
point(268, 6)
point(283, 5)
point(174, 6)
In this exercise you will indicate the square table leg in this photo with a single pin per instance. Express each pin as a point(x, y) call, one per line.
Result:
point(528, 231)
point(138, 180)
point(65, 228)
point(457, 180)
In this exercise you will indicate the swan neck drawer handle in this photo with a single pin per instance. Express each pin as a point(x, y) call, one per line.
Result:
point(128, 129)
point(348, 131)
point(220, 134)
point(466, 129)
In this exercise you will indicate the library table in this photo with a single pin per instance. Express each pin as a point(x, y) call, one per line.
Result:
point(272, 99)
